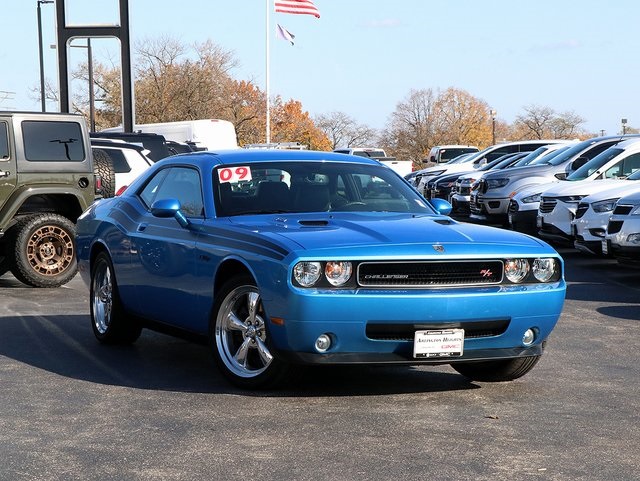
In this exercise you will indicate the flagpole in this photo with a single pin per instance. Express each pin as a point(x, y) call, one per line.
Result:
point(268, 114)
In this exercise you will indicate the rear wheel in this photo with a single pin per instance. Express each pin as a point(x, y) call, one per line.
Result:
point(496, 371)
point(240, 337)
point(108, 320)
point(43, 248)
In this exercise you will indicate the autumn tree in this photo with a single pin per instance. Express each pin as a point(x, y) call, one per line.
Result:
point(461, 119)
point(342, 130)
point(289, 123)
point(426, 118)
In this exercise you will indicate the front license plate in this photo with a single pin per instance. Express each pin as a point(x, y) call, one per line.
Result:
point(605, 247)
point(442, 343)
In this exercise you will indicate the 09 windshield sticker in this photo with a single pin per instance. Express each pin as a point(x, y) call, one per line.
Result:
point(234, 174)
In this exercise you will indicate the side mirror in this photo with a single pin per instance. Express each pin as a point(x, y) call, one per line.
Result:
point(165, 208)
point(441, 206)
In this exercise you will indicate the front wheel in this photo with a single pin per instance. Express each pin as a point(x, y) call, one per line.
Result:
point(108, 320)
point(496, 371)
point(240, 337)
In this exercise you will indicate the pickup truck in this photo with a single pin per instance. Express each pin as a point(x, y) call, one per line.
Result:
point(402, 167)
point(48, 177)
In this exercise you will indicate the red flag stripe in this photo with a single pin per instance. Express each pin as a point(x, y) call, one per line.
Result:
point(297, 6)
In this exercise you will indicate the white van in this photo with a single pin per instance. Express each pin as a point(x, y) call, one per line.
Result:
point(206, 134)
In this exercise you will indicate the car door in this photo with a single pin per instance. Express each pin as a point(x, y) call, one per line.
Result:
point(7, 163)
point(163, 257)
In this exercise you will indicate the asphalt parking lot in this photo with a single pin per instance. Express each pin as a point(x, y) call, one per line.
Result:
point(71, 409)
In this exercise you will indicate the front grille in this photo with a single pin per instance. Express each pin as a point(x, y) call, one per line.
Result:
point(614, 226)
point(430, 274)
point(482, 186)
point(464, 190)
point(547, 204)
point(513, 206)
point(622, 209)
point(582, 209)
point(380, 331)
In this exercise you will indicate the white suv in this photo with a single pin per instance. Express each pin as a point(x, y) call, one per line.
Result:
point(559, 203)
point(622, 239)
point(593, 213)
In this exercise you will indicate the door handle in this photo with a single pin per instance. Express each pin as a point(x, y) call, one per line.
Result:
point(141, 227)
point(5, 173)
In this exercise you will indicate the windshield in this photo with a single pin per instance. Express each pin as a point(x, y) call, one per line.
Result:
point(545, 158)
point(594, 164)
point(294, 187)
point(571, 152)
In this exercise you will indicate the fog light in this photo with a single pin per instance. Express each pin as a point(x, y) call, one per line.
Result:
point(528, 337)
point(323, 343)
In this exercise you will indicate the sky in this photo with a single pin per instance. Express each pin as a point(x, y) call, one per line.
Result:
point(363, 57)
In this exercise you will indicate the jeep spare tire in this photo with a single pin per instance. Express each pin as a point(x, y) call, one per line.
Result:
point(103, 166)
point(44, 250)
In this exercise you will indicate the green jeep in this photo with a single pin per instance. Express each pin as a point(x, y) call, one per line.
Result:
point(47, 179)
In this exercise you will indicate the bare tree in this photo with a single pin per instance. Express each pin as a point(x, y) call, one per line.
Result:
point(343, 131)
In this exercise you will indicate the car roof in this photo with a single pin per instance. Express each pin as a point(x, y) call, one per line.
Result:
point(248, 156)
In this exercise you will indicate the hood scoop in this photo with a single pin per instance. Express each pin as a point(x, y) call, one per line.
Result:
point(444, 221)
point(314, 223)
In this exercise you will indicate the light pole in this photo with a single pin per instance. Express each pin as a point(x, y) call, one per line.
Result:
point(42, 99)
point(624, 126)
point(493, 114)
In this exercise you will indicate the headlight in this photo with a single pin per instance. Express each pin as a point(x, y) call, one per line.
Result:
point(604, 205)
point(307, 273)
point(496, 183)
point(633, 239)
point(635, 210)
point(515, 270)
point(530, 199)
point(544, 269)
point(338, 273)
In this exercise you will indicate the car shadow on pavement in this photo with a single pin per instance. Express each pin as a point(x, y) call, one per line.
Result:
point(65, 345)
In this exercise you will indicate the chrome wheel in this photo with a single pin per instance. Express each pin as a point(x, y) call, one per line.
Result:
point(102, 297)
point(240, 333)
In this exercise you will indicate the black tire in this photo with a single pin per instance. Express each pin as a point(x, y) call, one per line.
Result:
point(103, 166)
point(241, 347)
point(496, 371)
point(43, 250)
point(4, 265)
point(108, 320)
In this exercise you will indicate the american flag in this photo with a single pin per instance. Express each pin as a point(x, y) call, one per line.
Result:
point(297, 6)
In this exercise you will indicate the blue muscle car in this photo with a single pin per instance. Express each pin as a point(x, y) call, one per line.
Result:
point(281, 258)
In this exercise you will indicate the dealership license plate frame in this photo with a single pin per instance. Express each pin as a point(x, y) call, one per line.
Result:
point(438, 343)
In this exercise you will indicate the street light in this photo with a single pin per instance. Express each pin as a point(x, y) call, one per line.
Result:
point(624, 126)
point(493, 114)
point(42, 100)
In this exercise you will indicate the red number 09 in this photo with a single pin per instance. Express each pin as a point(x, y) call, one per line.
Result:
point(234, 174)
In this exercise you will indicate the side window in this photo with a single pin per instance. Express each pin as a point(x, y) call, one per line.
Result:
point(184, 184)
point(598, 149)
point(53, 141)
point(630, 165)
point(149, 192)
point(4, 140)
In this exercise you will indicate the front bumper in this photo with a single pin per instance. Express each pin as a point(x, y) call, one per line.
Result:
point(348, 317)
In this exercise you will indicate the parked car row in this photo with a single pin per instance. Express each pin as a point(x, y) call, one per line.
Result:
point(584, 194)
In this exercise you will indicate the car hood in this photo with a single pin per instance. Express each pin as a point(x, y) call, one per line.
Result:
point(390, 235)
point(621, 189)
point(581, 187)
